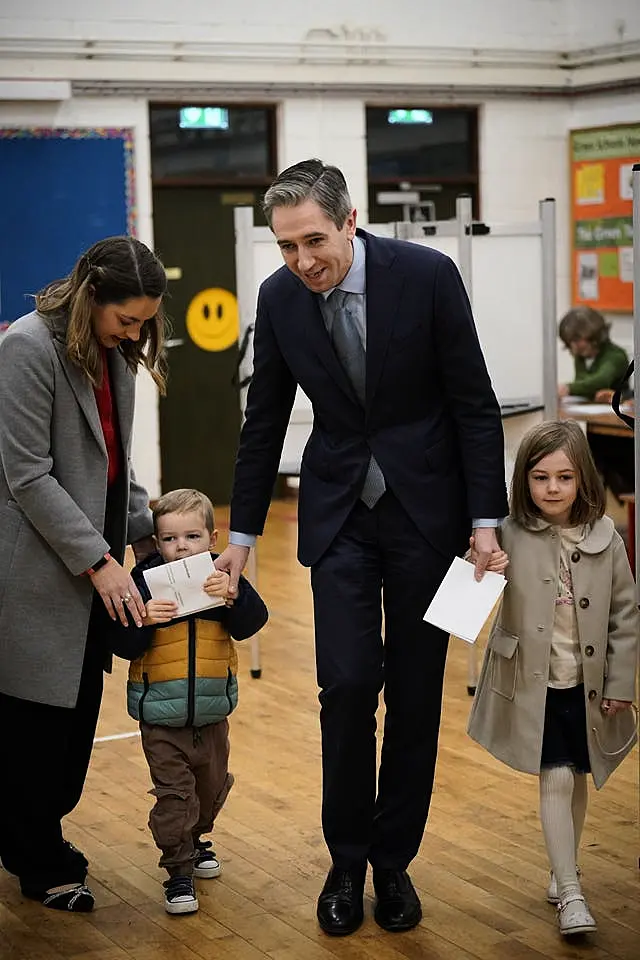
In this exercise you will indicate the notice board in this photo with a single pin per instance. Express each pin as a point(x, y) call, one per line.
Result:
point(61, 190)
point(601, 162)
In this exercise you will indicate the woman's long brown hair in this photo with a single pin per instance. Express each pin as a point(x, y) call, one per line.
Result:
point(111, 271)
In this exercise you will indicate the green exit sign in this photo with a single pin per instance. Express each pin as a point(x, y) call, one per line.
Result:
point(204, 118)
point(410, 116)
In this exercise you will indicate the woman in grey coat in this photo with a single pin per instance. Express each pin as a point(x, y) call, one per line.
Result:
point(69, 504)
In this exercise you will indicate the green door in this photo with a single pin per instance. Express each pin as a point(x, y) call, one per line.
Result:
point(200, 416)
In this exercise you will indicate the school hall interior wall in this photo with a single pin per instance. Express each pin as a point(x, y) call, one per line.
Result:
point(522, 159)
point(523, 153)
point(526, 25)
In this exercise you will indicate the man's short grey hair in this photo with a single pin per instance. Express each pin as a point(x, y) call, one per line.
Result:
point(310, 180)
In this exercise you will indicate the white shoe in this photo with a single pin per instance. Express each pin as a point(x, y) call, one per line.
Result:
point(574, 916)
point(180, 895)
point(552, 889)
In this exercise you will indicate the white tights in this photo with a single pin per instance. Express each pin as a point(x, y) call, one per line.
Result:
point(563, 805)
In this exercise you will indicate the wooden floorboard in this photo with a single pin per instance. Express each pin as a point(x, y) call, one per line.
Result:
point(481, 871)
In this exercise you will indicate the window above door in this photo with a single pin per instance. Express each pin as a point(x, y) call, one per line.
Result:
point(211, 143)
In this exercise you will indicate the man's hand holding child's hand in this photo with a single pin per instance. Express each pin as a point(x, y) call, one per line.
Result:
point(498, 561)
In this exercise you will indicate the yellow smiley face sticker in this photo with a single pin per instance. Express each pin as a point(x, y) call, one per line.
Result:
point(212, 319)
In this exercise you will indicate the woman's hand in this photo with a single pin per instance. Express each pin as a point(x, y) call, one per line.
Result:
point(117, 589)
point(217, 584)
point(159, 611)
point(611, 707)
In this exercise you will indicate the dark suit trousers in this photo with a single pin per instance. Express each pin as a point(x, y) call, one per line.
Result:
point(44, 758)
point(379, 560)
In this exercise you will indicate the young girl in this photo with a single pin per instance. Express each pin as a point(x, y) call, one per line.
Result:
point(558, 677)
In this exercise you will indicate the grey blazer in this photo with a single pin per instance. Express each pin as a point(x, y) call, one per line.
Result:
point(53, 488)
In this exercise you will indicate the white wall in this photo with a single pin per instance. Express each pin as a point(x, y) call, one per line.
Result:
point(523, 159)
point(332, 129)
point(493, 43)
point(592, 23)
point(112, 113)
point(491, 24)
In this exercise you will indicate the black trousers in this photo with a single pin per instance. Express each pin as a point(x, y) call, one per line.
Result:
point(379, 561)
point(614, 458)
point(44, 758)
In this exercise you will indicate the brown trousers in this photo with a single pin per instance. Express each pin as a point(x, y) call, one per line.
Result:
point(191, 779)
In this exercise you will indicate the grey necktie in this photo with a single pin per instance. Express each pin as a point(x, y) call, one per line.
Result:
point(344, 309)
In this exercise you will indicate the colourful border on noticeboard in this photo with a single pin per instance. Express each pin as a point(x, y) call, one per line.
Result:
point(601, 160)
point(91, 133)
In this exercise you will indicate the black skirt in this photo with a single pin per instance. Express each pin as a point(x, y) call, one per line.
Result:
point(564, 743)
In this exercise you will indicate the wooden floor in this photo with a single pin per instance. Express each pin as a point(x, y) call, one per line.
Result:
point(481, 872)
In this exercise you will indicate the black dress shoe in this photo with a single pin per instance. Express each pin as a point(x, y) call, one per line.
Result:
point(398, 905)
point(340, 909)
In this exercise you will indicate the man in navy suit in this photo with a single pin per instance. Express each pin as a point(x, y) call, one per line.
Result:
point(404, 459)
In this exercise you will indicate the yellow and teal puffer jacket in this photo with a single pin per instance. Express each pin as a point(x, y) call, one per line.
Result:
point(188, 678)
point(184, 673)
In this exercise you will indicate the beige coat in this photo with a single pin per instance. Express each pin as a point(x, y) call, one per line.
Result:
point(507, 716)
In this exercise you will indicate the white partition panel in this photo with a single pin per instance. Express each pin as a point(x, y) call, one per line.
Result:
point(507, 304)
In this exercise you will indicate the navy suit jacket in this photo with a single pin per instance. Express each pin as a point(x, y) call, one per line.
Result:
point(431, 418)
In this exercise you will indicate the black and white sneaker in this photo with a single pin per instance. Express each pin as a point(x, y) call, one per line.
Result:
point(180, 895)
point(206, 865)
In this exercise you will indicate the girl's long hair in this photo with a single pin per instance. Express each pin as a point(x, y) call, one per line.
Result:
point(111, 271)
point(539, 442)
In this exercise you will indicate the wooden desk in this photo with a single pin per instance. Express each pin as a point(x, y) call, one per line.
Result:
point(607, 422)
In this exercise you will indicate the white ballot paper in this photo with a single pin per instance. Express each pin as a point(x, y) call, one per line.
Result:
point(181, 581)
point(461, 604)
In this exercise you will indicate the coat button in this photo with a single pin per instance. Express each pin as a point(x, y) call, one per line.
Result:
point(584, 603)
point(540, 627)
point(546, 579)
point(575, 556)
point(593, 694)
point(588, 651)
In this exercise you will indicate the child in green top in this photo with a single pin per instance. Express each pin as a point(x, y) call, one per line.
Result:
point(600, 364)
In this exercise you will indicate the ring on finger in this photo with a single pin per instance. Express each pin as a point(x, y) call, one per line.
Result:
point(127, 597)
